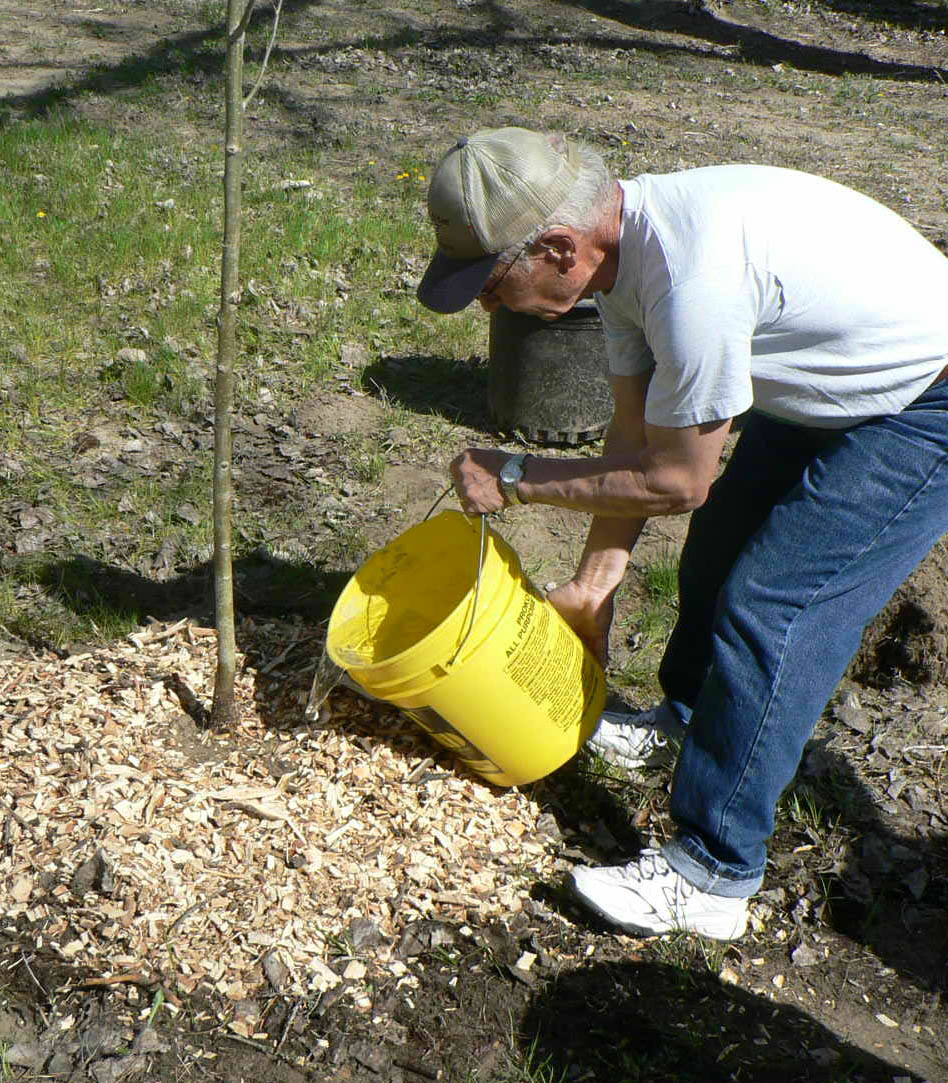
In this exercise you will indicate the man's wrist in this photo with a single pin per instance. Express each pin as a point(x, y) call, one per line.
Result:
point(511, 475)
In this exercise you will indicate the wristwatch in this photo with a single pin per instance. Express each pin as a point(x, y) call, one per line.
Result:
point(511, 474)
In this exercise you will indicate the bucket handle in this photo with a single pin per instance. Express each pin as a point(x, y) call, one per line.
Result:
point(477, 582)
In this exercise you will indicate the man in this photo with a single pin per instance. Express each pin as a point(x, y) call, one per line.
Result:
point(721, 290)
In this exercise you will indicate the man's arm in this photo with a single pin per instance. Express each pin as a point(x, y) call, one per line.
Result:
point(586, 600)
point(662, 471)
point(645, 470)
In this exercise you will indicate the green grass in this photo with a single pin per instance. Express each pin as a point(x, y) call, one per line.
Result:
point(121, 240)
point(47, 602)
point(691, 955)
point(110, 243)
point(649, 626)
point(528, 1066)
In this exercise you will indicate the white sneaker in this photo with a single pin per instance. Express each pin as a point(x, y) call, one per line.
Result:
point(640, 739)
point(647, 897)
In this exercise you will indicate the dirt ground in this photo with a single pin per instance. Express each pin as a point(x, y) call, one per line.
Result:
point(844, 972)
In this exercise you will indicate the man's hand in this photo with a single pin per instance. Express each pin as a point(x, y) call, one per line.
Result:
point(476, 474)
point(587, 613)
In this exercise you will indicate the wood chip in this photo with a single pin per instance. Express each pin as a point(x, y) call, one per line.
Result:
point(210, 857)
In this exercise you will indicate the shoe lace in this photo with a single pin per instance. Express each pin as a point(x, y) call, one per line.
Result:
point(647, 866)
point(654, 739)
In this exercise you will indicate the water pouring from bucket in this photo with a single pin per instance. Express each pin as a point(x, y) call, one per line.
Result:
point(443, 623)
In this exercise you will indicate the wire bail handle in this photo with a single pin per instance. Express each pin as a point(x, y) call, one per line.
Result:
point(480, 569)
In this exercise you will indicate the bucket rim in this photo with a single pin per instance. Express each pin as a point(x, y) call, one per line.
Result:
point(504, 552)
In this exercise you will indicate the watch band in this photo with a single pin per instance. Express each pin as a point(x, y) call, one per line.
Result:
point(511, 474)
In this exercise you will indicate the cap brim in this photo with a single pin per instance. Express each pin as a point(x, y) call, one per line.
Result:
point(451, 284)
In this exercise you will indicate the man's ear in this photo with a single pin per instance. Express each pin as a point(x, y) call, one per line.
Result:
point(560, 246)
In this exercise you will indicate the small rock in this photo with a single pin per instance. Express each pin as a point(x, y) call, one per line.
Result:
point(353, 353)
point(148, 1041)
point(363, 933)
point(15, 1026)
point(189, 513)
point(275, 971)
point(61, 1064)
point(25, 1055)
point(104, 1039)
point(547, 825)
point(896, 787)
point(85, 441)
point(129, 355)
point(801, 911)
point(804, 955)
point(525, 977)
point(856, 718)
point(115, 1069)
point(93, 875)
point(421, 936)
point(369, 1056)
point(247, 1009)
point(729, 976)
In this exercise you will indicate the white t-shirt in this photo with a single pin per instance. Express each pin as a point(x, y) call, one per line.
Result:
point(751, 285)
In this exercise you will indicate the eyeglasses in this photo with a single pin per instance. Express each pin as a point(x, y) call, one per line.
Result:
point(490, 289)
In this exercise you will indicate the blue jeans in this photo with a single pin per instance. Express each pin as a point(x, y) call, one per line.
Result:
point(803, 539)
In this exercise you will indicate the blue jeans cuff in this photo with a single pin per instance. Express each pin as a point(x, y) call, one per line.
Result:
point(681, 712)
point(689, 859)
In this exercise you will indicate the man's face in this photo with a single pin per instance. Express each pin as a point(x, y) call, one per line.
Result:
point(534, 283)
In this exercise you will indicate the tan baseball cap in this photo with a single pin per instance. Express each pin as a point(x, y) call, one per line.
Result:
point(488, 192)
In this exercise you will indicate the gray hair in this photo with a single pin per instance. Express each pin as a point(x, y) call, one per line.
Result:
point(583, 207)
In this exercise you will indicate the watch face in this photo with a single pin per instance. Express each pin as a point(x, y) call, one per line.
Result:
point(512, 469)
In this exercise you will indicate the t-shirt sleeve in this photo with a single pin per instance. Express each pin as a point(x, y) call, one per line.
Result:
point(627, 349)
point(699, 333)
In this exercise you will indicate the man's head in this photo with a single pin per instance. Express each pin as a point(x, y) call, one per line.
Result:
point(490, 198)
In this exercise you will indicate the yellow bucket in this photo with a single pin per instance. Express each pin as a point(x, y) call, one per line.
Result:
point(443, 623)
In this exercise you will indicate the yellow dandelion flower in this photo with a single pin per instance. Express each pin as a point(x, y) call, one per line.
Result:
point(41, 214)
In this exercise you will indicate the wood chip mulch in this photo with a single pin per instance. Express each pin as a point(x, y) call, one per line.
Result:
point(142, 849)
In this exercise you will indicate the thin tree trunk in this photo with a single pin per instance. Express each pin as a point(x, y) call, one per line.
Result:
point(222, 711)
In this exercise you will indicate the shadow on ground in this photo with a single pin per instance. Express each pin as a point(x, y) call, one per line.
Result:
point(199, 54)
point(264, 586)
point(453, 389)
point(650, 1021)
point(762, 47)
point(887, 890)
point(876, 887)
